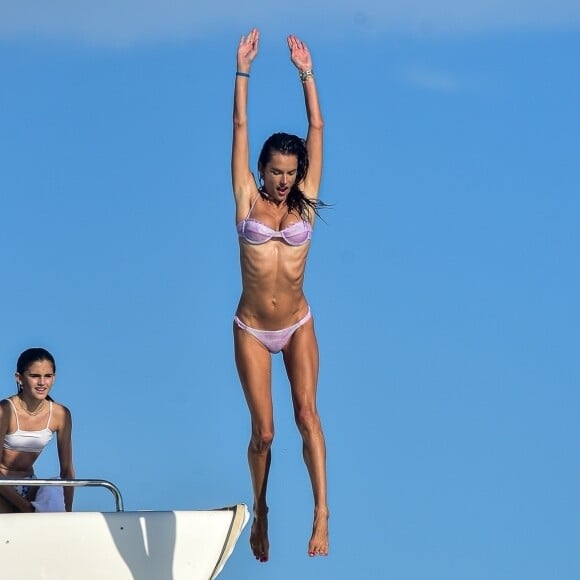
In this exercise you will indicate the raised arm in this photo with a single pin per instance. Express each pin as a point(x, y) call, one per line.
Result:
point(243, 183)
point(302, 60)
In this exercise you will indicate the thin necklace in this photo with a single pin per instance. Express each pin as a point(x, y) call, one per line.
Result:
point(31, 413)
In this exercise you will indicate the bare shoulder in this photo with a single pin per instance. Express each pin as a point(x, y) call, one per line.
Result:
point(5, 414)
point(62, 415)
point(5, 406)
point(60, 410)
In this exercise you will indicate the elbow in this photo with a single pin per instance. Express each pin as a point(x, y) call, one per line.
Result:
point(317, 124)
point(239, 123)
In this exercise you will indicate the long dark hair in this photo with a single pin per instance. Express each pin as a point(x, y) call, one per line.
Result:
point(291, 145)
point(29, 357)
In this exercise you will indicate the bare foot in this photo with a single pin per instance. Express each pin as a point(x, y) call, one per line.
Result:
point(259, 537)
point(318, 545)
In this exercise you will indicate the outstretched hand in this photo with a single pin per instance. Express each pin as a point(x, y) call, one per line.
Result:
point(248, 49)
point(299, 53)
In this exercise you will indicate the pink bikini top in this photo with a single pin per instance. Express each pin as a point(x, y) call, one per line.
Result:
point(255, 232)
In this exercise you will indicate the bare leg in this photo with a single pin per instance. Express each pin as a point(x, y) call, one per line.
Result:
point(6, 507)
point(254, 369)
point(301, 360)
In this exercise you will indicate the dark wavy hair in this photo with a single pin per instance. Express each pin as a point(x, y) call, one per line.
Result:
point(287, 144)
point(29, 357)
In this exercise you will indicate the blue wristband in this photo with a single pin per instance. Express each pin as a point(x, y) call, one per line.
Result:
point(242, 74)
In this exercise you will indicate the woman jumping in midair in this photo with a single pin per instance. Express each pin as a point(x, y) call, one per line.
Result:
point(274, 221)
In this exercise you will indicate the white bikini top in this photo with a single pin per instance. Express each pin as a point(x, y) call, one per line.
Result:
point(30, 441)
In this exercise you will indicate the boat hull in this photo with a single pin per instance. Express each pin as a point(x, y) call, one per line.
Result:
point(141, 545)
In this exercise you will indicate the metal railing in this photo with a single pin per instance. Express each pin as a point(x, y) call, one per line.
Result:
point(71, 483)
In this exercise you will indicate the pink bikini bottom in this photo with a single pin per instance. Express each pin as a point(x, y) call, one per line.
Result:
point(274, 340)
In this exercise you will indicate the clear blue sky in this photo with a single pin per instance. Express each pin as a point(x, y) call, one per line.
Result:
point(444, 283)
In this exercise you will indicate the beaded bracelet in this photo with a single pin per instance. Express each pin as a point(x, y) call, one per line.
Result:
point(242, 74)
point(305, 75)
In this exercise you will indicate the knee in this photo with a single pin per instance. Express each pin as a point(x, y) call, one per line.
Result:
point(262, 441)
point(307, 420)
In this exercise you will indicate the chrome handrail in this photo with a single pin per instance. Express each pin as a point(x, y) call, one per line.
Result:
point(71, 483)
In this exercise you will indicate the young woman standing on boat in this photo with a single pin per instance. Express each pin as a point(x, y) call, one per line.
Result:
point(28, 421)
point(274, 222)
